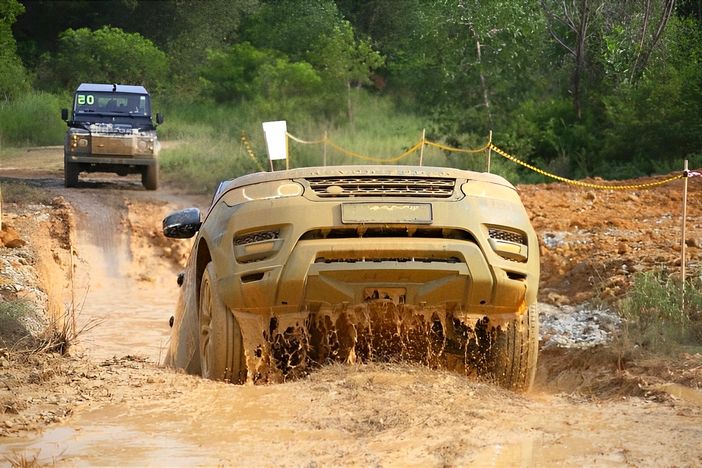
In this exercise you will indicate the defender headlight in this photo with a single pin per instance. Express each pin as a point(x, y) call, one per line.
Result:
point(264, 191)
point(79, 140)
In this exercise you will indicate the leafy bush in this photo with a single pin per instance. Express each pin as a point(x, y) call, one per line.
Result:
point(244, 73)
point(106, 55)
point(654, 313)
point(13, 76)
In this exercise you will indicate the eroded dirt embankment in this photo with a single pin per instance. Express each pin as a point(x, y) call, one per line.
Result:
point(117, 407)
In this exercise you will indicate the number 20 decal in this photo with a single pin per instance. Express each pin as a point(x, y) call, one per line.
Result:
point(88, 99)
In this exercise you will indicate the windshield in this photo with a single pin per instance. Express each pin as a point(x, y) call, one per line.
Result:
point(112, 103)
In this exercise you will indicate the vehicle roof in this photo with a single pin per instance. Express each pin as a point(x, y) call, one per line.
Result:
point(108, 88)
point(366, 170)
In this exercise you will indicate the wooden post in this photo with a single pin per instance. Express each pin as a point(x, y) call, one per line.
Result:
point(489, 154)
point(421, 150)
point(325, 149)
point(683, 246)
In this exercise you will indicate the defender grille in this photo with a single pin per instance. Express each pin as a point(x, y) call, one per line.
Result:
point(373, 186)
point(510, 236)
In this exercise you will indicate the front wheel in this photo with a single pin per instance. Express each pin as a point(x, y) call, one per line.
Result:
point(221, 344)
point(70, 174)
point(512, 351)
point(149, 177)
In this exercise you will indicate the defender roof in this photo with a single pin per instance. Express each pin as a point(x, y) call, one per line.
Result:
point(108, 88)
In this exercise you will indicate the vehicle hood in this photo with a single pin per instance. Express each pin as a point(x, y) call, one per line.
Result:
point(344, 171)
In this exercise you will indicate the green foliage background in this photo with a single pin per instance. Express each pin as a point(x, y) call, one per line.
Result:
point(624, 101)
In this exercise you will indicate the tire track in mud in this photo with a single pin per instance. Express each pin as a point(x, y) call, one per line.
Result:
point(122, 302)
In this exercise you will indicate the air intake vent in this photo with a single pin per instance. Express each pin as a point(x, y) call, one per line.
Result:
point(256, 237)
point(509, 236)
point(373, 186)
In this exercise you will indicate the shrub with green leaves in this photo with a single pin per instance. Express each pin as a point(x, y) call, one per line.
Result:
point(654, 313)
point(106, 55)
point(13, 76)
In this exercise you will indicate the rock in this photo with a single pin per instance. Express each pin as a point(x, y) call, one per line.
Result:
point(692, 242)
point(622, 248)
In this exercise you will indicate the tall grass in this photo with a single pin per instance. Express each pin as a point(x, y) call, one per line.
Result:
point(33, 119)
point(203, 140)
point(209, 147)
point(654, 314)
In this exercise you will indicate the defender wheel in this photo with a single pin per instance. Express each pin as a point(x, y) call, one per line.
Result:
point(221, 344)
point(149, 177)
point(512, 351)
point(70, 174)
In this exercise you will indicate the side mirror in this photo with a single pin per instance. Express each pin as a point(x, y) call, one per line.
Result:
point(182, 224)
point(159, 118)
point(64, 114)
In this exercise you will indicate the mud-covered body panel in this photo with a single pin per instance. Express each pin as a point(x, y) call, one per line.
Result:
point(289, 245)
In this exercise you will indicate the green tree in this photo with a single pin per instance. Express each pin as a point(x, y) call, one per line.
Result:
point(345, 61)
point(230, 74)
point(13, 76)
point(315, 32)
point(263, 76)
point(656, 121)
point(107, 55)
point(293, 27)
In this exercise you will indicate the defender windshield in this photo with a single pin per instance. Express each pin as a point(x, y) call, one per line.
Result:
point(95, 102)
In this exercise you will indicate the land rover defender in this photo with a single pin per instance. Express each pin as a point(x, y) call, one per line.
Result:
point(111, 131)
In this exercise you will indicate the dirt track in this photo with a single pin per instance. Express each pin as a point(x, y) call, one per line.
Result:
point(117, 407)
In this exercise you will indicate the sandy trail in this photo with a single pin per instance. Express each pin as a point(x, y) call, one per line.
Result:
point(127, 411)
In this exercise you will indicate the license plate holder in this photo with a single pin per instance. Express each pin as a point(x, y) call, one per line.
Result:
point(386, 213)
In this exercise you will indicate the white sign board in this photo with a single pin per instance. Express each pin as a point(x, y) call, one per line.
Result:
point(276, 139)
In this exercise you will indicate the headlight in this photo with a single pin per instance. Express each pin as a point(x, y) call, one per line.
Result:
point(476, 188)
point(79, 140)
point(264, 191)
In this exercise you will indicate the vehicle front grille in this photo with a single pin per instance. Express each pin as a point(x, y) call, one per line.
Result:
point(377, 186)
point(388, 259)
point(368, 232)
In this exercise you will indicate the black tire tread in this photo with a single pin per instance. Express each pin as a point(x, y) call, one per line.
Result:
point(514, 352)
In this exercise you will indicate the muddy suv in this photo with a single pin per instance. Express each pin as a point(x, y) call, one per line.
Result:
point(297, 268)
point(111, 131)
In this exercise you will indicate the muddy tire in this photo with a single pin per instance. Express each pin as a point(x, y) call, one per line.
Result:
point(70, 174)
point(149, 177)
point(512, 352)
point(221, 346)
